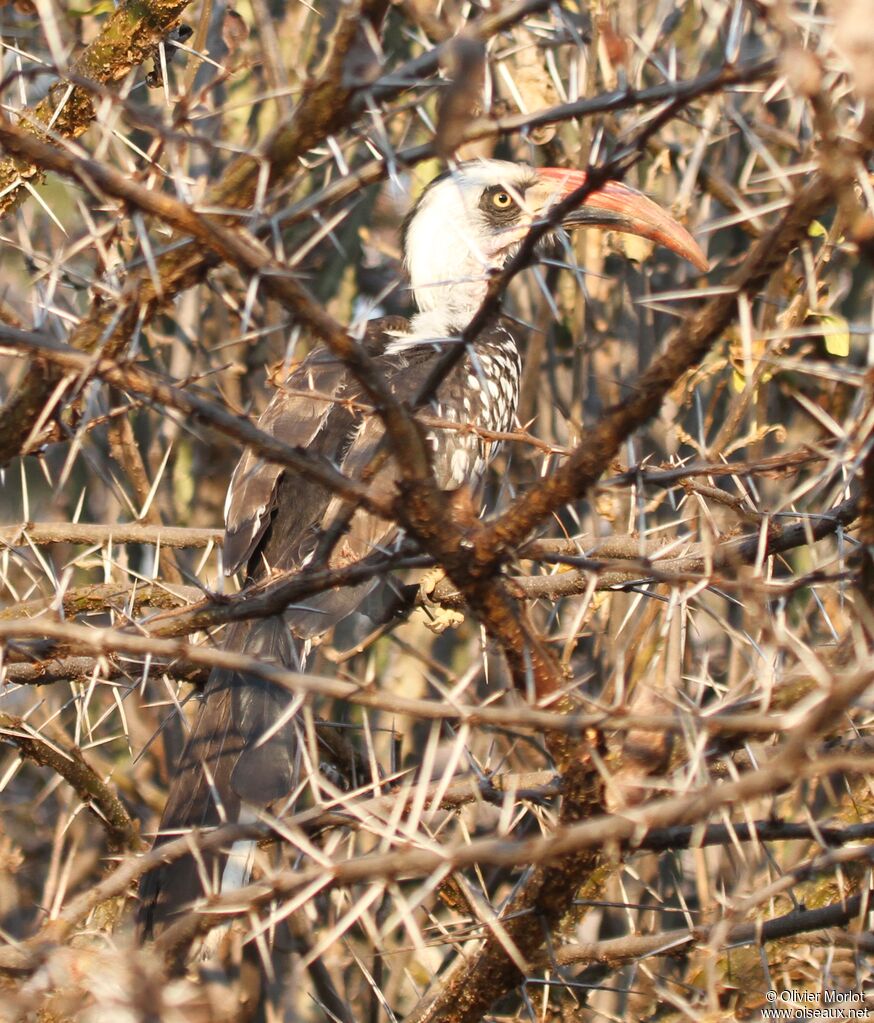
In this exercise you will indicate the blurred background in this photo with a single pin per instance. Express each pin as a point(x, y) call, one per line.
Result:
point(678, 605)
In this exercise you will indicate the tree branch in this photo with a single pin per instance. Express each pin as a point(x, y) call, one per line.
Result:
point(69, 762)
point(129, 36)
point(150, 385)
point(87, 533)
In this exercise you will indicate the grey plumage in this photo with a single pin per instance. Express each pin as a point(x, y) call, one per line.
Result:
point(274, 520)
point(242, 754)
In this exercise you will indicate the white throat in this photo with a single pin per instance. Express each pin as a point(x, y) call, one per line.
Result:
point(448, 271)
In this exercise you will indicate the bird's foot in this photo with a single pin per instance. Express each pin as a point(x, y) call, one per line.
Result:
point(438, 617)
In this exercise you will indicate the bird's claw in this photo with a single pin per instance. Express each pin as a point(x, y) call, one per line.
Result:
point(437, 617)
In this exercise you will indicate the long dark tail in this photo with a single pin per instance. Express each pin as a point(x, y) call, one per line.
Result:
point(225, 768)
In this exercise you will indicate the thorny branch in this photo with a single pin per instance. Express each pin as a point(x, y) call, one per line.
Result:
point(429, 509)
point(149, 385)
point(68, 761)
point(326, 108)
point(575, 838)
point(107, 641)
point(693, 576)
point(90, 532)
point(602, 568)
point(620, 950)
point(129, 37)
point(685, 349)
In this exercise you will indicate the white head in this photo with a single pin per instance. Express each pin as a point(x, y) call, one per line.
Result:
point(468, 223)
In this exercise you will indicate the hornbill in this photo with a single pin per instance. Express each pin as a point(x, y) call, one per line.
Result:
point(243, 753)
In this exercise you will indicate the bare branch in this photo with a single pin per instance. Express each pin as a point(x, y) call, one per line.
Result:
point(67, 760)
point(128, 38)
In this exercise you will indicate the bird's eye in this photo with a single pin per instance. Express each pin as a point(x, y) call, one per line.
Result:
point(502, 200)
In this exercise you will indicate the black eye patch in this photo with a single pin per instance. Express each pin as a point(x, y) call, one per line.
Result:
point(499, 205)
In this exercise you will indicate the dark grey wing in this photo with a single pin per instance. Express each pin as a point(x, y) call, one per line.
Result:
point(283, 516)
point(297, 414)
point(243, 749)
point(307, 412)
point(230, 758)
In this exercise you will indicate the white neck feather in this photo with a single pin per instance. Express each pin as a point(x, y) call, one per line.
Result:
point(450, 281)
point(446, 261)
point(429, 327)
